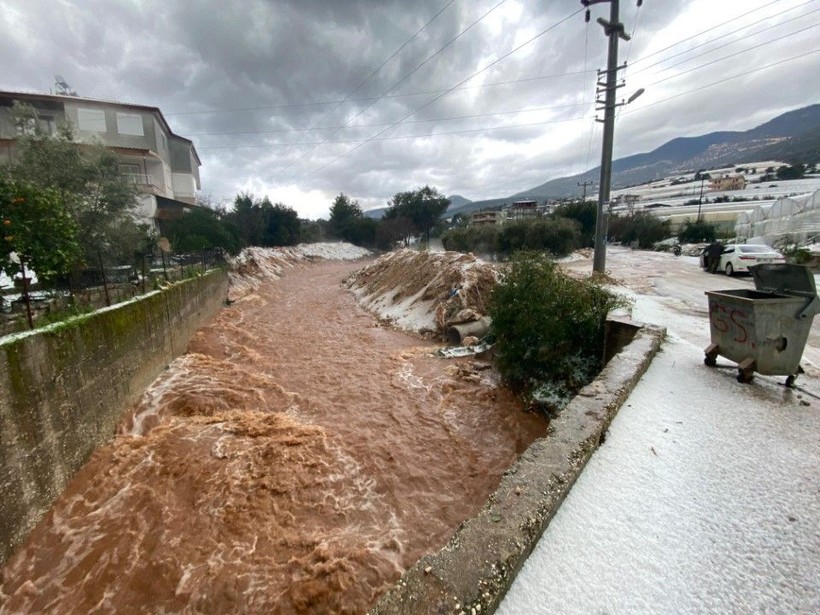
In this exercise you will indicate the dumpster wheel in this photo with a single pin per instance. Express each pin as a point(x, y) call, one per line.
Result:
point(792, 377)
point(711, 355)
point(745, 376)
point(746, 371)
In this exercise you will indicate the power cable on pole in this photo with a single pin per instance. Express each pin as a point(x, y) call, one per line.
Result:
point(614, 30)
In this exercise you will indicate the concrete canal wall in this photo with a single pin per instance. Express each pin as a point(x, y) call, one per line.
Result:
point(64, 388)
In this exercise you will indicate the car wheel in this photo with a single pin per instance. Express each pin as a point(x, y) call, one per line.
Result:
point(729, 269)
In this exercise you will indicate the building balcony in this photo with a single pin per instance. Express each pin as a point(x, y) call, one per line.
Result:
point(144, 182)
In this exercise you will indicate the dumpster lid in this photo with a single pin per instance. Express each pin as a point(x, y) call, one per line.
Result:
point(784, 278)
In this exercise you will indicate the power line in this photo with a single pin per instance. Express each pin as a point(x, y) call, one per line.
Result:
point(403, 95)
point(594, 124)
point(683, 40)
point(508, 82)
point(781, 23)
point(394, 138)
point(424, 106)
point(628, 52)
point(438, 119)
point(382, 65)
point(724, 80)
point(402, 80)
point(529, 125)
point(694, 68)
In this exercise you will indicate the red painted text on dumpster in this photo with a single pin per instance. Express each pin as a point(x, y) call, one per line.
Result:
point(731, 321)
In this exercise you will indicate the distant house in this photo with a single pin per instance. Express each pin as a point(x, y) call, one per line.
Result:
point(521, 210)
point(630, 199)
point(486, 218)
point(728, 182)
point(164, 166)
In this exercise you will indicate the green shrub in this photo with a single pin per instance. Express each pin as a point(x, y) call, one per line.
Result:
point(696, 232)
point(512, 237)
point(548, 327)
point(585, 214)
point(644, 228)
point(478, 239)
point(556, 235)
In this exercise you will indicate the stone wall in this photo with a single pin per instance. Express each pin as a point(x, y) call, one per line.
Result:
point(63, 390)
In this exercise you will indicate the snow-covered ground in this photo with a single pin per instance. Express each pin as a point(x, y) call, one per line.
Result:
point(425, 291)
point(253, 264)
point(705, 497)
point(663, 191)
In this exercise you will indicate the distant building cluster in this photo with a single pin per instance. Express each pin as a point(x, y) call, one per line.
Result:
point(517, 210)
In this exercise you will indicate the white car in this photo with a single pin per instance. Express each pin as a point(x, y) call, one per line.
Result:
point(737, 258)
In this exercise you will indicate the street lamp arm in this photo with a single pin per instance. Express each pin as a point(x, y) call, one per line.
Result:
point(635, 95)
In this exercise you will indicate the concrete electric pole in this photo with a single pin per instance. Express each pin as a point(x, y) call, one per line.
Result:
point(614, 30)
point(584, 185)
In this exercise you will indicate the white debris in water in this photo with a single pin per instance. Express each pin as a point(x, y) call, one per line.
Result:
point(333, 251)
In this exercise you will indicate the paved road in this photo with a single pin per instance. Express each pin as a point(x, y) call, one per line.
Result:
point(705, 497)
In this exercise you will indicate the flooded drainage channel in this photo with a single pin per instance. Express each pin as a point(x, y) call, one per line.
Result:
point(298, 459)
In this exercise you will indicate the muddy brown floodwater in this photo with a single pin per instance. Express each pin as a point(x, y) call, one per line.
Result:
point(296, 460)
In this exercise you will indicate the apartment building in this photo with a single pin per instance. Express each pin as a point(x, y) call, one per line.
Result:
point(164, 166)
point(727, 182)
point(486, 218)
point(522, 210)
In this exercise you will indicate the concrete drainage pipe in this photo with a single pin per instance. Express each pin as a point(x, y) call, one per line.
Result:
point(478, 328)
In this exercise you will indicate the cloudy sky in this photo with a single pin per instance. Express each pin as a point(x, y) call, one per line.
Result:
point(303, 99)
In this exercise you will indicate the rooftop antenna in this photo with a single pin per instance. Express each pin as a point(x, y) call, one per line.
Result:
point(61, 87)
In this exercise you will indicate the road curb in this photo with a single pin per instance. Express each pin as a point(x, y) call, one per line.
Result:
point(475, 569)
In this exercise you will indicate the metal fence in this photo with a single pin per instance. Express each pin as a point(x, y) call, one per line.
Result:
point(28, 304)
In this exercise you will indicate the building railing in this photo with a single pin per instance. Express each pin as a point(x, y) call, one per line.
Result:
point(141, 179)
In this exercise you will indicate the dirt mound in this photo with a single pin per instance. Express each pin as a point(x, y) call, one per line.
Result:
point(253, 265)
point(425, 291)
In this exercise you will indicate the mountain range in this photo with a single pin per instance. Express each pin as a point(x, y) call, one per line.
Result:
point(791, 137)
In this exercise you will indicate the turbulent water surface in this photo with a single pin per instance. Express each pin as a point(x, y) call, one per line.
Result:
point(296, 460)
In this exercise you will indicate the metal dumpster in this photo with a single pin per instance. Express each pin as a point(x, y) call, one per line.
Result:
point(764, 330)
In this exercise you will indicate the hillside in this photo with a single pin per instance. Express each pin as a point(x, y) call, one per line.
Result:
point(793, 136)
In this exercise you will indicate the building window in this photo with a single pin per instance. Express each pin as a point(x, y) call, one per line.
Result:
point(48, 124)
point(91, 120)
point(129, 124)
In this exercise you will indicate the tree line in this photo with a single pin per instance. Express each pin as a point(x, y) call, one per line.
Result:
point(569, 227)
point(257, 222)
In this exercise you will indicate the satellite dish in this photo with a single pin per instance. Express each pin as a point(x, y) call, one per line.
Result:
point(61, 87)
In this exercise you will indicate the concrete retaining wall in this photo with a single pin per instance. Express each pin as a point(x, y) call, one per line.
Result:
point(63, 390)
point(475, 569)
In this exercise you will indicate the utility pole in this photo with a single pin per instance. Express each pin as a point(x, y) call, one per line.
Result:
point(585, 184)
point(614, 30)
point(703, 177)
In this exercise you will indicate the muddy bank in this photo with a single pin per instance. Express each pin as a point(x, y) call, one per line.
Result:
point(425, 292)
point(298, 459)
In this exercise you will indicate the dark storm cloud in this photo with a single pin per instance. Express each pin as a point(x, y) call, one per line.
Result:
point(258, 84)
